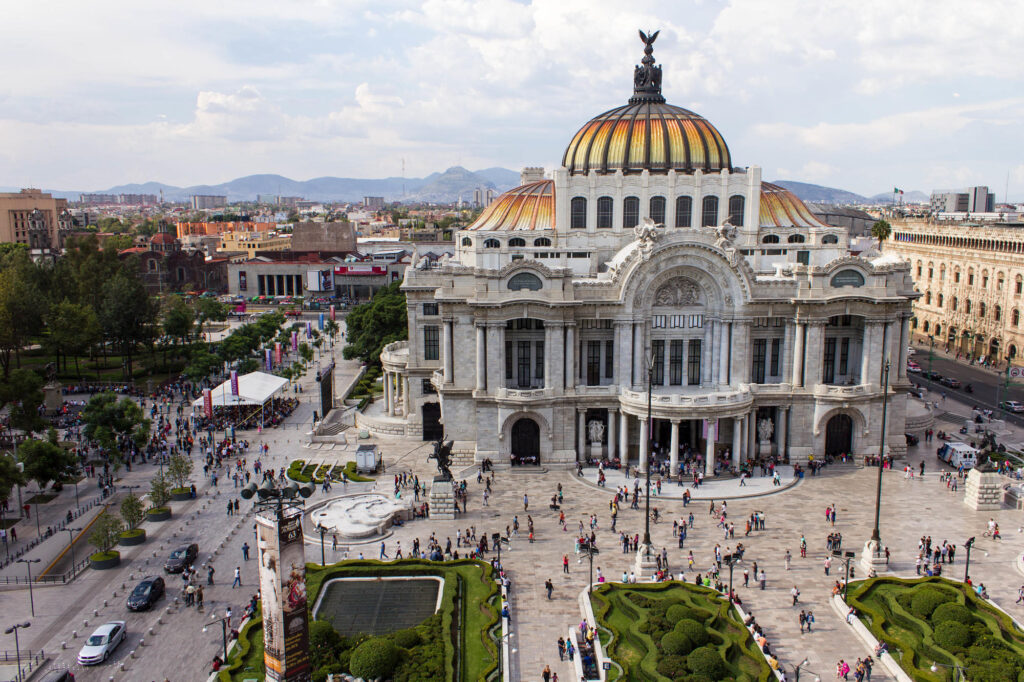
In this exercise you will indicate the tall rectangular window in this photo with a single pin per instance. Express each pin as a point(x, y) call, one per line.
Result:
point(736, 205)
point(684, 211)
point(675, 362)
point(829, 373)
point(657, 212)
point(658, 350)
point(538, 359)
point(630, 212)
point(844, 355)
point(709, 217)
point(523, 366)
point(776, 354)
point(578, 213)
point(604, 212)
point(593, 363)
point(693, 363)
point(757, 368)
point(609, 359)
point(431, 343)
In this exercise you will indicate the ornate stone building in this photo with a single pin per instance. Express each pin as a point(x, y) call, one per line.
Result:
point(648, 254)
point(971, 284)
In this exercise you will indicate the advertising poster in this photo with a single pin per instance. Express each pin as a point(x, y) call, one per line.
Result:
point(234, 382)
point(295, 341)
point(277, 352)
point(283, 592)
point(242, 281)
point(208, 403)
point(332, 313)
point(326, 280)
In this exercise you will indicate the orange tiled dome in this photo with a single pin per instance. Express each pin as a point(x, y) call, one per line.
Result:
point(529, 207)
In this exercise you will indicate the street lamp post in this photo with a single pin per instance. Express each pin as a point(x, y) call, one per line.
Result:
point(959, 672)
point(71, 544)
point(846, 559)
point(224, 631)
point(17, 652)
point(323, 559)
point(591, 551)
point(496, 541)
point(876, 537)
point(931, 352)
point(803, 665)
point(650, 441)
point(967, 565)
point(31, 599)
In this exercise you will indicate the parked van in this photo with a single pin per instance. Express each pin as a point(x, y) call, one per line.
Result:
point(957, 455)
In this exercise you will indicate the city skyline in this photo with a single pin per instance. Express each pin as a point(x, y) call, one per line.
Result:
point(115, 93)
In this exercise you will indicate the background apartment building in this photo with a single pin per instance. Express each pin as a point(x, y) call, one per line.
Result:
point(205, 201)
point(33, 218)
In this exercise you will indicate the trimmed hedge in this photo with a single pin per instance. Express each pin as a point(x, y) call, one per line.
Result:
point(374, 658)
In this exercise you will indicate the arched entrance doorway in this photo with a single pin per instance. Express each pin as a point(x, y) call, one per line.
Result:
point(839, 435)
point(432, 427)
point(525, 442)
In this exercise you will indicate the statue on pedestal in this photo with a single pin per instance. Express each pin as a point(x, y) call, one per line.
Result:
point(765, 429)
point(443, 455)
point(595, 430)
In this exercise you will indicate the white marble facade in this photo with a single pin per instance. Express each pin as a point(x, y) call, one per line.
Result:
point(546, 321)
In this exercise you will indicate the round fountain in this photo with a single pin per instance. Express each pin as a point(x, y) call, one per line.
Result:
point(357, 517)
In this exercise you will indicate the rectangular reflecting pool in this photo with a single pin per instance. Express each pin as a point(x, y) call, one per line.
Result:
point(378, 606)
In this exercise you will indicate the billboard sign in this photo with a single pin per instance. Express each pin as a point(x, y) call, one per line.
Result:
point(320, 280)
point(243, 282)
point(283, 592)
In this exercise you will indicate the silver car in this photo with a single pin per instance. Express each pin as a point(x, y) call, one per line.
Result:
point(102, 643)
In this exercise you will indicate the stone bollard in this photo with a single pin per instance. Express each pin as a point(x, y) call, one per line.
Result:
point(152, 632)
point(154, 553)
point(63, 645)
point(142, 642)
point(85, 623)
point(120, 667)
point(104, 603)
point(132, 653)
point(131, 576)
point(96, 613)
point(74, 634)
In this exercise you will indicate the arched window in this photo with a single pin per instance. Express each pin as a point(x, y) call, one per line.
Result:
point(997, 313)
point(830, 239)
point(1018, 285)
point(770, 239)
point(942, 273)
point(1015, 318)
point(848, 278)
point(999, 281)
point(524, 280)
point(630, 212)
point(517, 241)
point(926, 326)
point(709, 214)
point(970, 277)
point(736, 203)
point(492, 244)
point(931, 271)
point(466, 241)
point(927, 298)
point(542, 241)
point(684, 211)
point(938, 330)
point(604, 211)
point(956, 275)
point(578, 213)
point(940, 300)
point(918, 268)
point(796, 239)
point(658, 210)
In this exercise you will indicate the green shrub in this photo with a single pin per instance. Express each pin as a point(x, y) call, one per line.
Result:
point(706, 661)
point(639, 600)
point(672, 667)
point(406, 639)
point(952, 611)
point(320, 674)
point(693, 631)
point(675, 644)
point(926, 600)
point(376, 657)
point(677, 612)
point(953, 636)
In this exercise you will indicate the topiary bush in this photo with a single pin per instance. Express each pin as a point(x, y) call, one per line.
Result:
point(953, 636)
point(376, 657)
point(693, 631)
point(926, 600)
point(677, 612)
point(675, 644)
point(672, 667)
point(406, 639)
point(705, 660)
point(952, 611)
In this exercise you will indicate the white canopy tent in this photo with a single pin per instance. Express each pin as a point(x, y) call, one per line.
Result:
point(253, 389)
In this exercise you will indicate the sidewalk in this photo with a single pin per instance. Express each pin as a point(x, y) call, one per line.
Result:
point(721, 488)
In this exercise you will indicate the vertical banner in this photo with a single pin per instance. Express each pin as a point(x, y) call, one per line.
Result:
point(268, 361)
point(321, 324)
point(234, 382)
point(309, 330)
point(295, 341)
point(283, 591)
point(277, 352)
point(208, 403)
point(333, 313)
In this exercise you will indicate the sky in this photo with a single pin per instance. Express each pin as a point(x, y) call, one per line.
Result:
point(862, 94)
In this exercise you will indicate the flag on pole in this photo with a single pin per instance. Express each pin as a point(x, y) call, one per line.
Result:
point(321, 322)
point(277, 352)
point(295, 341)
point(332, 313)
point(234, 382)
point(309, 330)
point(897, 190)
point(268, 361)
point(208, 403)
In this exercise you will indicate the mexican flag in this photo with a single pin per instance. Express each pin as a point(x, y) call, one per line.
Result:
point(897, 190)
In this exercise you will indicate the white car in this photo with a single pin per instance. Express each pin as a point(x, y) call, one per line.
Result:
point(102, 643)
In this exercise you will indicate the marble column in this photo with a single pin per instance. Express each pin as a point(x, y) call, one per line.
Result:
point(737, 428)
point(741, 352)
point(481, 358)
point(623, 347)
point(798, 354)
point(624, 437)
point(570, 356)
point(406, 400)
point(715, 352)
point(495, 356)
point(709, 452)
point(643, 444)
point(446, 348)
point(787, 353)
point(901, 371)
point(814, 353)
point(865, 352)
point(724, 354)
point(674, 449)
point(581, 436)
point(780, 431)
point(639, 373)
point(387, 393)
point(550, 334)
point(612, 418)
point(752, 433)
point(705, 351)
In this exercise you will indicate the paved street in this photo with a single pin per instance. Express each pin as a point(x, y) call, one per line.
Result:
point(911, 508)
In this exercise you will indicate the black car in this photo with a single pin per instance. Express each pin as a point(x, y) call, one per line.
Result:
point(932, 375)
point(58, 676)
point(912, 439)
point(181, 557)
point(146, 593)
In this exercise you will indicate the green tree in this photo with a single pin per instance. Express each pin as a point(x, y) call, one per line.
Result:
point(86, 267)
point(125, 314)
point(132, 511)
point(22, 393)
point(202, 364)
point(179, 468)
point(108, 420)
point(119, 242)
point(374, 324)
point(159, 490)
point(106, 530)
point(10, 476)
point(881, 231)
point(73, 329)
point(21, 306)
point(46, 461)
point(178, 319)
point(209, 310)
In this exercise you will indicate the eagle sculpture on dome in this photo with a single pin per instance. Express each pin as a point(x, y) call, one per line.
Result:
point(647, 78)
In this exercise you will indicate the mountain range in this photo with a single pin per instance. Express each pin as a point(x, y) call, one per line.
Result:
point(831, 195)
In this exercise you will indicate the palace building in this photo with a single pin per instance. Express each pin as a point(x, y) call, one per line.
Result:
point(650, 257)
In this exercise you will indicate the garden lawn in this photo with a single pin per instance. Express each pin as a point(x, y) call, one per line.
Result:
point(934, 620)
point(676, 631)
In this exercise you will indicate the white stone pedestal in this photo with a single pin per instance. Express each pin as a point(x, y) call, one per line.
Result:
point(646, 562)
point(53, 399)
point(872, 559)
point(596, 452)
point(984, 490)
point(764, 448)
point(442, 500)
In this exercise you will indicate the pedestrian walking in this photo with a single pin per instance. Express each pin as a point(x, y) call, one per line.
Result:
point(795, 593)
point(810, 620)
point(526, 502)
point(565, 563)
point(803, 620)
point(789, 559)
point(762, 578)
point(546, 675)
point(245, 551)
point(561, 648)
point(549, 587)
point(828, 564)
point(238, 578)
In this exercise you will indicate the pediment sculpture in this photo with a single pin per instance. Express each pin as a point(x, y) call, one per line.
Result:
point(678, 292)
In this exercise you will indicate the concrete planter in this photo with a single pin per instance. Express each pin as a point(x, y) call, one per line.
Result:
point(132, 537)
point(111, 559)
point(159, 514)
point(181, 495)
